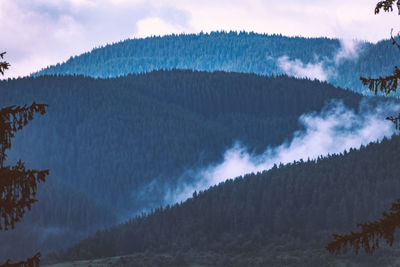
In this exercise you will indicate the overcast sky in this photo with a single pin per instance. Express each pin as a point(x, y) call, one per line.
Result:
point(37, 33)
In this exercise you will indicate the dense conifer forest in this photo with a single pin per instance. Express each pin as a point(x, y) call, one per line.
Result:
point(106, 140)
point(342, 64)
point(218, 149)
point(280, 217)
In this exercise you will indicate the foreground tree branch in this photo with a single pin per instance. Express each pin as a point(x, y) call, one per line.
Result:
point(372, 232)
point(387, 6)
point(30, 262)
point(389, 83)
point(18, 188)
point(386, 84)
point(3, 64)
point(18, 185)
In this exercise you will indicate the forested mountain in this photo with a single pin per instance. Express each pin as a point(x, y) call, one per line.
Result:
point(280, 217)
point(339, 63)
point(106, 140)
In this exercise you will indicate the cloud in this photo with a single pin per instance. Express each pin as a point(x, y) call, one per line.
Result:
point(165, 21)
point(298, 69)
point(323, 69)
point(38, 33)
point(349, 49)
point(333, 130)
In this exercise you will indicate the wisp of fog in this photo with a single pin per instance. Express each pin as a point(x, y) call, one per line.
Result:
point(331, 131)
point(322, 69)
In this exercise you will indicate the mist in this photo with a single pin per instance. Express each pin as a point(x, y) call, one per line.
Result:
point(298, 69)
point(322, 69)
point(331, 131)
point(349, 49)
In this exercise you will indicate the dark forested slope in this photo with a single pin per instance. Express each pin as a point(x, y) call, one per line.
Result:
point(107, 140)
point(138, 127)
point(342, 64)
point(295, 207)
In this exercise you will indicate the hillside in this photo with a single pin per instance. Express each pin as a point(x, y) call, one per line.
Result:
point(106, 141)
point(340, 63)
point(280, 217)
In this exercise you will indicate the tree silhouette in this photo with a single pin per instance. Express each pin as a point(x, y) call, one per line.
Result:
point(389, 83)
point(18, 185)
point(3, 64)
point(372, 232)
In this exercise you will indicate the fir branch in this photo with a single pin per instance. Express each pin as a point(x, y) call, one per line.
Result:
point(386, 84)
point(370, 234)
point(3, 64)
point(18, 186)
point(30, 262)
point(12, 119)
point(387, 6)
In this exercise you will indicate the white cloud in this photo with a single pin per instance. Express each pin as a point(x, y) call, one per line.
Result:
point(83, 2)
point(298, 69)
point(333, 130)
point(323, 69)
point(156, 26)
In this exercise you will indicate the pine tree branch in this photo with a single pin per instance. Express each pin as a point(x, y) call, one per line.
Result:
point(3, 64)
point(18, 186)
point(386, 84)
point(12, 119)
point(370, 234)
point(30, 262)
point(387, 6)
point(394, 42)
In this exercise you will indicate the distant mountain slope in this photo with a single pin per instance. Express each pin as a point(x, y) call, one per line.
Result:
point(108, 140)
point(289, 212)
point(339, 63)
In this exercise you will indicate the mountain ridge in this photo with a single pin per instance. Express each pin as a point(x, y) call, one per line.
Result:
point(339, 62)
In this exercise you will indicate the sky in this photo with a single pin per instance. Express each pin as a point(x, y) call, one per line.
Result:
point(38, 33)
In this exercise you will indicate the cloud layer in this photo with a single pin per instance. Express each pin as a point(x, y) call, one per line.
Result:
point(37, 33)
point(334, 130)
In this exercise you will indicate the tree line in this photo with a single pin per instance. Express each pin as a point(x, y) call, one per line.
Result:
point(232, 52)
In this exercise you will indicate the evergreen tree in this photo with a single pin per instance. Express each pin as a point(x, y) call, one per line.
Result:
point(18, 185)
point(371, 232)
point(3, 64)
